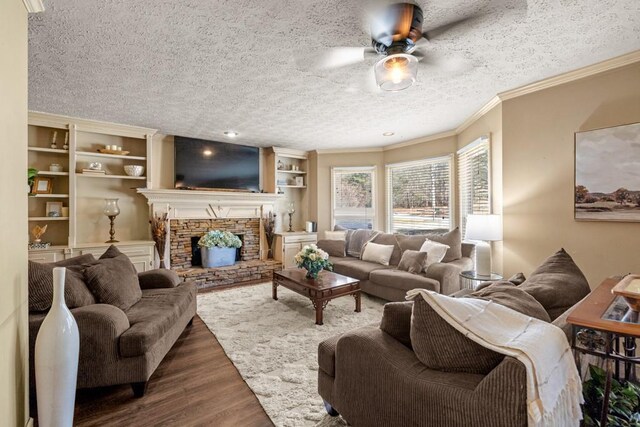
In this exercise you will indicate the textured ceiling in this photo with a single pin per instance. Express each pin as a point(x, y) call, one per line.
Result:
point(197, 68)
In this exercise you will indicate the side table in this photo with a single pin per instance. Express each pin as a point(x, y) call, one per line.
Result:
point(470, 279)
point(602, 323)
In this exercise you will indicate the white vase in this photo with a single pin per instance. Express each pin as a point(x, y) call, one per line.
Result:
point(56, 360)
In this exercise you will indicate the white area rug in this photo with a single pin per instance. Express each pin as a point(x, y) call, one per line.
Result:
point(274, 345)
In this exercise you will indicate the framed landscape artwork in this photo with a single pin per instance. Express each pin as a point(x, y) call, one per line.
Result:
point(607, 174)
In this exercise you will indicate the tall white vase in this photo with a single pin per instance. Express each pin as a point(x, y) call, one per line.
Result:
point(56, 360)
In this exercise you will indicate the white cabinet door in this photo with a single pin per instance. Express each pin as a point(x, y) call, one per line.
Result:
point(141, 263)
point(290, 251)
point(37, 256)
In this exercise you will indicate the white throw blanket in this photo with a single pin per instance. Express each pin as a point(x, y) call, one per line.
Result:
point(554, 387)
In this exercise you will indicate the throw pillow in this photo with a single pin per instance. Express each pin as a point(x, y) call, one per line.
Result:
point(435, 252)
point(76, 293)
point(333, 247)
point(389, 240)
point(438, 345)
point(380, 254)
point(453, 239)
point(114, 280)
point(557, 284)
point(413, 261)
point(335, 235)
point(507, 294)
point(515, 280)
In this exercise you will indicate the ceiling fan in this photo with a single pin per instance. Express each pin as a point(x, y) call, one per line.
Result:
point(396, 31)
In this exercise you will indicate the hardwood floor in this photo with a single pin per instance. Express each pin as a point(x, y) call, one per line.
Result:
point(195, 385)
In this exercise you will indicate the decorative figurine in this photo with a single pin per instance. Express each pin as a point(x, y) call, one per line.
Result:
point(54, 136)
point(37, 233)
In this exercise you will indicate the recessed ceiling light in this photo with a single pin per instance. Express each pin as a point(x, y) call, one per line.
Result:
point(231, 134)
point(388, 134)
point(207, 152)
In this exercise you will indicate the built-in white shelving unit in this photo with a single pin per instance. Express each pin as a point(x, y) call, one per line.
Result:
point(86, 228)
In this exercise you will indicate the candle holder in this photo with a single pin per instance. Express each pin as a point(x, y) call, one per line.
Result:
point(291, 211)
point(111, 210)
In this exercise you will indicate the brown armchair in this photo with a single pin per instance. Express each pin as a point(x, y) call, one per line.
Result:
point(371, 376)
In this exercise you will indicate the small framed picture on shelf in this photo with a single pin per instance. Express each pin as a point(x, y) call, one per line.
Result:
point(54, 209)
point(42, 185)
point(299, 182)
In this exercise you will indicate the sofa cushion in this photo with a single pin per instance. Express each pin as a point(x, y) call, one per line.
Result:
point(114, 280)
point(557, 284)
point(76, 293)
point(438, 345)
point(388, 239)
point(333, 247)
point(515, 280)
point(507, 294)
point(412, 261)
point(410, 243)
point(151, 318)
point(356, 268)
point(380, 254)
point(435, 252)
point(403, 280)
point(453, 239)
point(335, 235)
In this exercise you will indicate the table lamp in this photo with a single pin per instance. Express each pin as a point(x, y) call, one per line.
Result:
point(111, 210)
point(485, 228)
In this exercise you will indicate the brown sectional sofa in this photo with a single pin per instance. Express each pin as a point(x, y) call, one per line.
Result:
point(390, 283)
point(126, 346)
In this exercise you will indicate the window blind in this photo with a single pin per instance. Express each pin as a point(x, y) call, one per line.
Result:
point(354, 197)
point(419, 195)
point(473, 180)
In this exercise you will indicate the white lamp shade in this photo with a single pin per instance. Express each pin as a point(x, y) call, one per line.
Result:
point(484, 227)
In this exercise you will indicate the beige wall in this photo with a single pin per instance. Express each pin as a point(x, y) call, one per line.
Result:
point(13, 215)
point(490, 124)
point(322, 177)
point(538, 174)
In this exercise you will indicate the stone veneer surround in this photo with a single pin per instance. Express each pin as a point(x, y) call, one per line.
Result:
point(181, 231)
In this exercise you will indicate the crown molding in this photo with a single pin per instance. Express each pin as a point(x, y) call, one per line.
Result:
point(494, 102)
point(446, 134)
point(85, 125)
point(33, 6)
point(350, 150)
point(580, 73)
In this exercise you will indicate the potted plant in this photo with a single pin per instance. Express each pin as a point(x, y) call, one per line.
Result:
point(218, 248)
point(313, 260)
point(31, 176)
point(624, 400)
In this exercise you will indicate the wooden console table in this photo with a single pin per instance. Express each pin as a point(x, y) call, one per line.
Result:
point(320, 291)
point(600, 323)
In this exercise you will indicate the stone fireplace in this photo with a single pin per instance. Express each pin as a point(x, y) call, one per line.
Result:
point(183, 233)
point(193, 213)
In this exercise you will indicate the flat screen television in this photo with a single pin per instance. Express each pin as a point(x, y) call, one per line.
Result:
point(202, 164)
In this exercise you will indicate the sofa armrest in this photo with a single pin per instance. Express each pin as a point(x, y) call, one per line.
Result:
point(396, 321)
point(505, 387)
point(469, 250)
point(159, 278)
point(447, 274)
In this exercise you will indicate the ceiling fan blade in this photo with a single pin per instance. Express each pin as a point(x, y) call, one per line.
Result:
point(439, 31)
point(332, 58)
point(449, 64)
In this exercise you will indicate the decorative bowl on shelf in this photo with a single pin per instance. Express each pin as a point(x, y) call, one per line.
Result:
point(116, 152)
point(134, 170)
point(629, 289)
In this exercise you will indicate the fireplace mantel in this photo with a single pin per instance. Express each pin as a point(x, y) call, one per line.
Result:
point(195, 204)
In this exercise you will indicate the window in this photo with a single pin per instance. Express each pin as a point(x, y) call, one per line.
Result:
point(473, 180)
point(353, 197)
point(419, 195)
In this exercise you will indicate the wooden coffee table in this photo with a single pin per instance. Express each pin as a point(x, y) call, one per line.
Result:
point(326, 287)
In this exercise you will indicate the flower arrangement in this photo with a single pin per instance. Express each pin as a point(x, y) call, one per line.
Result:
point(221, 239)
point(159, 234)
point(269, 225)
point(313, 260)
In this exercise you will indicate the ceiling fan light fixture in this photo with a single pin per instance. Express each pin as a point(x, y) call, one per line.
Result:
point(396, 72)
point(231, 134)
